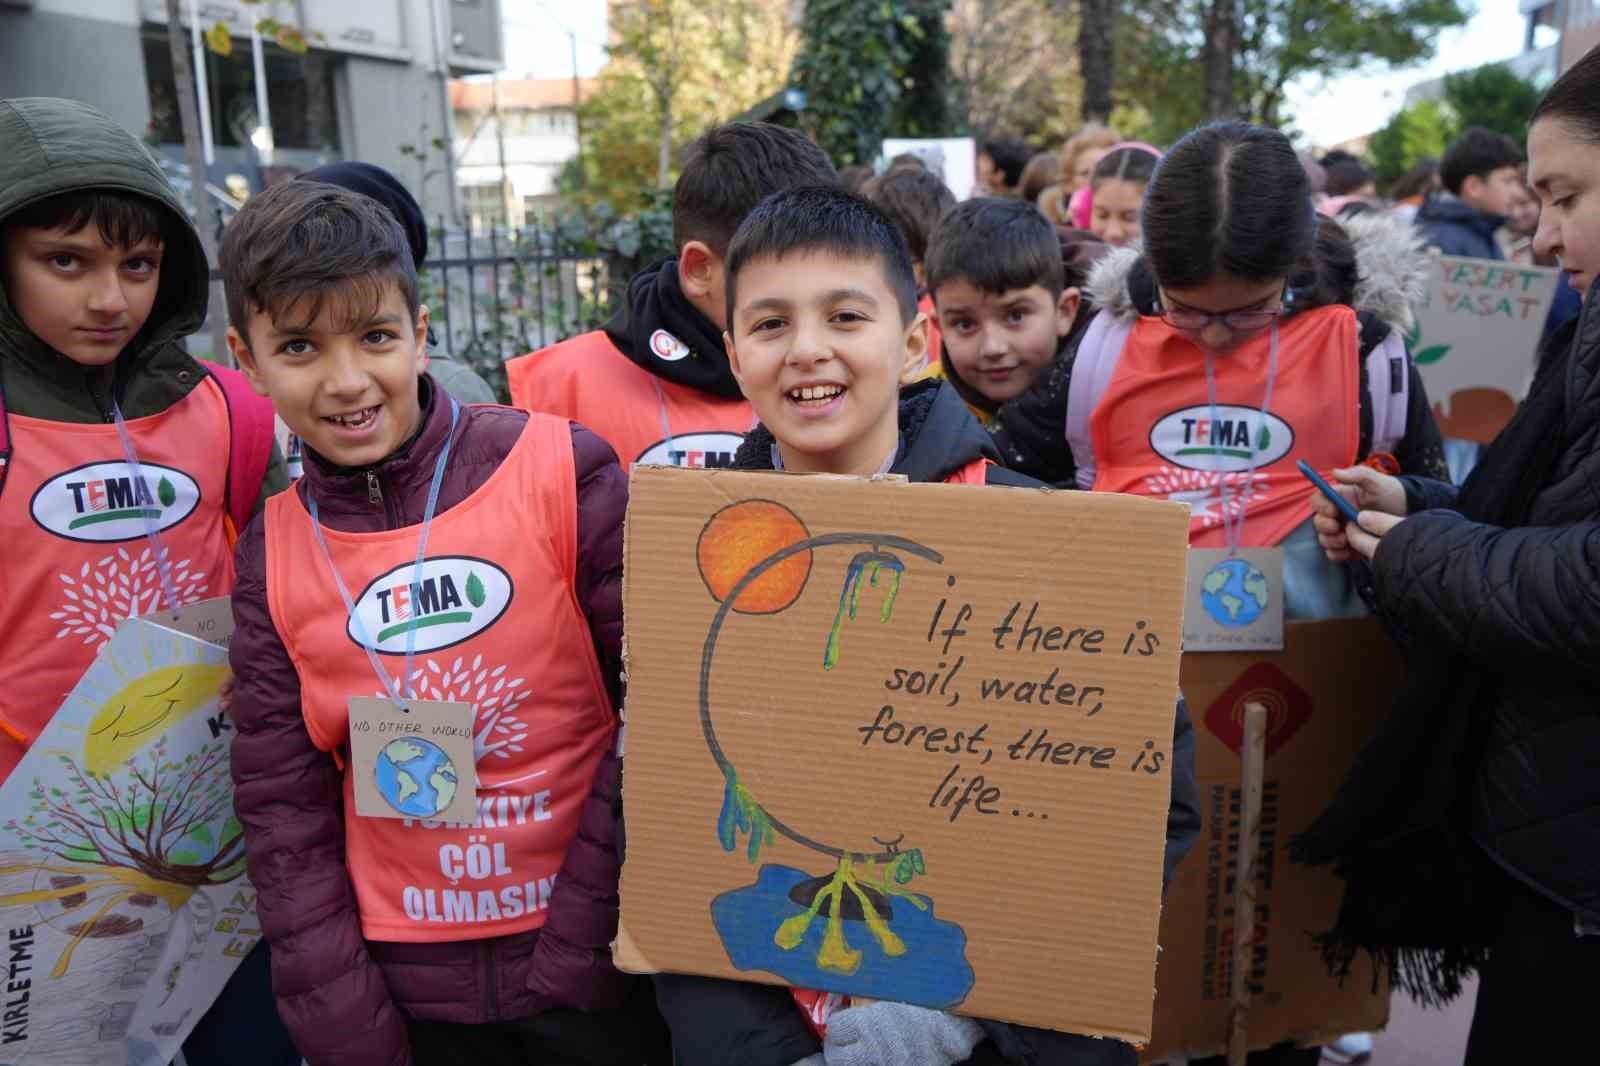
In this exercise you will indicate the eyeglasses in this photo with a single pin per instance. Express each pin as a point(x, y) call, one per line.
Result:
point(1192, 321)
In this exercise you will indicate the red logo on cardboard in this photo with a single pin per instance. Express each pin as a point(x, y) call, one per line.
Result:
point(1288, 707)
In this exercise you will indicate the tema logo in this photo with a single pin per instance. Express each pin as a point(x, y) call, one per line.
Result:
point(458, 597)
point(1288, 707)
point(696, 451)
point(105, 503)
point(1189, 438)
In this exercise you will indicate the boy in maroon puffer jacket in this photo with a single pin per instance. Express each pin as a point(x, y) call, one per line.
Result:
point(430, 553)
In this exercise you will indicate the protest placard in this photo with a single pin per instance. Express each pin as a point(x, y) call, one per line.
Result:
point(1477, 333)
point(902, 741)
point(955, 159)
point(124, 905)
point(1320, 712)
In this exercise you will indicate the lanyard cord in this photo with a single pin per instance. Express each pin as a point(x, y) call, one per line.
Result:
point(365, 641)
point(1233, 532)
point(151, 532)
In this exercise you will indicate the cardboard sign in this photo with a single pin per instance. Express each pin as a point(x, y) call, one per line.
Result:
point(1477, 333)
point(124, 905)
point(1235, 600)
point(415, 763)
point(901, 741)
point(1325, 693)
point(955, 159)
point(208, 620)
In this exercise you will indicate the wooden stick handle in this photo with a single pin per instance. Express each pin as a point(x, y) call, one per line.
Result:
point(1244, 884)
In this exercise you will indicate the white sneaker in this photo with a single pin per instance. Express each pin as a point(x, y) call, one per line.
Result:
point(1352, 1047)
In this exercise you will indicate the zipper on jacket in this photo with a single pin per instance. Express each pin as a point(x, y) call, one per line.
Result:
point(374, 490)
point(492, 982)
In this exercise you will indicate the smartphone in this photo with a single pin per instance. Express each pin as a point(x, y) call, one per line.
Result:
point(1346, 508)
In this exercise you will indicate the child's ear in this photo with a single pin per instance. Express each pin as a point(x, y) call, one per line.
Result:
point(697, 270)
point(916, 349)
point(422, 339)
point(246, 360)
point(1067, 309)
point(733, 358)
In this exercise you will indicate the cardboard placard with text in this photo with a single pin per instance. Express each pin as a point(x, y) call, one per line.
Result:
point(1477, 332)
point(1325, 695)
point(901, 741)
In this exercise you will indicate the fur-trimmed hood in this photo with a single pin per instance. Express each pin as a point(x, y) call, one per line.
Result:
point(1391, 264)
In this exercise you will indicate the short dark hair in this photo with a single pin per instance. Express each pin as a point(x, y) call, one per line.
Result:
point(823, 218)
point(1575, 98)
point(300, 240)
point(1477, 153)
point(123, 219)
point(914, 199)
point(728, 170)
point(1345, 176)
point(1229, 198)
point(997, 244)
point(1131, 164)
point(1009, 155)
point(1418, 181)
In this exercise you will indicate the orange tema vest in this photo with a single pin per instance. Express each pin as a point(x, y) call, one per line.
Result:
point(76, 558)
point(644, 418)
point(497, 624)
point(1154, 436)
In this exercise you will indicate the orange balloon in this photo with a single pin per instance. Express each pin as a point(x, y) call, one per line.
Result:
point(743, 534)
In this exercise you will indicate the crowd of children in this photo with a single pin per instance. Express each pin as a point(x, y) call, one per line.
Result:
point(798, 327)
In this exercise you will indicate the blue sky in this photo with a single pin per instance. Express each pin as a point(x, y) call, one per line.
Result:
point(1327, 112)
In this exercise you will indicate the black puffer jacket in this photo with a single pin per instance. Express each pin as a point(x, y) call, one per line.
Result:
point(1523, 605)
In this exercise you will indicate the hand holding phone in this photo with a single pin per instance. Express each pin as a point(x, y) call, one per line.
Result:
point(1345, 507)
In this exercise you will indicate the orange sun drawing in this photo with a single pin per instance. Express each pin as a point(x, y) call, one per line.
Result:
point(741, 535)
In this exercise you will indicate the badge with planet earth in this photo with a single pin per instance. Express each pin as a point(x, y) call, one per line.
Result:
point(855, 924)
point(1235, 600)
point(413, 763)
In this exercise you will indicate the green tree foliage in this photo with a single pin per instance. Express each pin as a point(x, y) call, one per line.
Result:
point(865, 69)
point(676, 68)
point(1491, 96)
point(1016, 68)
point(1415, 133)
point(1162, 62)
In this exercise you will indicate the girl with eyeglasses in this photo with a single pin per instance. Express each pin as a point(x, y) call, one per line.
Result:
point(1249, 334)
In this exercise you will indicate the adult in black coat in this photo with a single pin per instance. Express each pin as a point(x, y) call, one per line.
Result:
point(1469, 830)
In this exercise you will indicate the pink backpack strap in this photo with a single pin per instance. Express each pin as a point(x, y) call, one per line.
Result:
point(1389, 391)
point(250, 443)
point(1092, 368)
point(5, 440)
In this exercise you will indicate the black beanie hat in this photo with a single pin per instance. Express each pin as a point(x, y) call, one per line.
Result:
point(384, 187)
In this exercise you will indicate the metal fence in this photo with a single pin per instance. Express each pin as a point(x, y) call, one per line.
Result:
point(497, 295)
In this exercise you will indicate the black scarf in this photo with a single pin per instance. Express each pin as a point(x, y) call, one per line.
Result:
point(1420, 896)
point(656, 302)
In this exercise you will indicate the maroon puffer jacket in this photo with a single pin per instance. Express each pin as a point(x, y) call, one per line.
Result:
point(346, 999)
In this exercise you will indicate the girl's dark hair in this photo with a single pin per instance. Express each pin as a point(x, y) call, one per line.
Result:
point(1418, 181)
point(1125, 164)
point(1575, 98)
point(1326, 274)
point(1229, 198)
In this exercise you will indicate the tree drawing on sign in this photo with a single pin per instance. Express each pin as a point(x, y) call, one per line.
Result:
point(756, 557)
point(127, 827)
point(121, 585)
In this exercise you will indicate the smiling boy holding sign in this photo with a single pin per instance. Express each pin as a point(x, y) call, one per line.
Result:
point(822, 321)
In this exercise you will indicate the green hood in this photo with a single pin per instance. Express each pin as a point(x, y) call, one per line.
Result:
point(50, 146)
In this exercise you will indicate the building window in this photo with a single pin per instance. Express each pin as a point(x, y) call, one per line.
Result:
point(300, 95)
point(484, 206)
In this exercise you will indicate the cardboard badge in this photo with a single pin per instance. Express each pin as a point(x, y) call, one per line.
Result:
point(1235, 600)
point(416, 763)
point(908, 742)
point(209, 620)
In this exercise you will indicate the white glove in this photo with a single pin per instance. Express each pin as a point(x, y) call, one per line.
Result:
point(897, 1034)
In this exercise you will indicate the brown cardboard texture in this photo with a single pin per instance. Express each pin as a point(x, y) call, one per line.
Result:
point(1325, 694)
point(909, 742)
